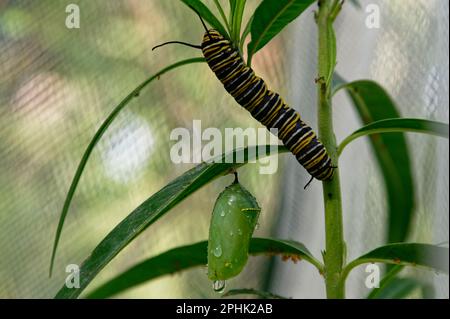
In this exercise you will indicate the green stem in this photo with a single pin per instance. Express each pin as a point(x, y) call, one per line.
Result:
point(335, 246)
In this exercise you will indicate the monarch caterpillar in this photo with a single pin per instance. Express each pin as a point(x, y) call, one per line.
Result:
point(266, 106)
point(233, 221)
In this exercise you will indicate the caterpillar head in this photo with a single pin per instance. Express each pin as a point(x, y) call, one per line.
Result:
point(212, 35)
point(212, 41)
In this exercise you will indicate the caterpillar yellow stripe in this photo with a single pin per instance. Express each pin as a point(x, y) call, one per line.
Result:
point(267, 107)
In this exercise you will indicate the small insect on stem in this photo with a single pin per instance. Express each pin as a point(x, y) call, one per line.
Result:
point(319, 80)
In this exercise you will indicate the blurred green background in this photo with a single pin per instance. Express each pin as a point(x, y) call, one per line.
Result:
point(57, 85)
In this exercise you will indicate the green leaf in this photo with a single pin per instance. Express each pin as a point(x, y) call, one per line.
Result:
point(171, 261)
point(398, 125)
point(97, 137)
point(399, 288)
point(390, 276)
point(391, 151)
point(270, 18)
point(337, 82)
point(186, 257)
point(250, 291)
point(245, 33)
point(232, 8)
point(222, 14)
point(407, 254)
point(155, 207)
point(206, 14)
point(428, 291)
point(238, 7)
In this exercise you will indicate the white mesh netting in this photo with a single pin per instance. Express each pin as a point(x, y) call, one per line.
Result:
point(57, 85)
point(408, 55)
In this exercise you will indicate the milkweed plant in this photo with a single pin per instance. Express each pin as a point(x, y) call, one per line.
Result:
point(236, 211)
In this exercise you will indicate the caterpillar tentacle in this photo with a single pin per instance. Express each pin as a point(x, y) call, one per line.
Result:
point(266, 106)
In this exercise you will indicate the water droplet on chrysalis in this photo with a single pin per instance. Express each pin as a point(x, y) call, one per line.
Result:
point(219, 286)
point(231, 200)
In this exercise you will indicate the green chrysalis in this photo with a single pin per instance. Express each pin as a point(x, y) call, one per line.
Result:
point(233, 221)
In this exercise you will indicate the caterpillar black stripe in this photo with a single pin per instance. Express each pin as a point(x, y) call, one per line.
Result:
point(251, 92)
point(266, 106)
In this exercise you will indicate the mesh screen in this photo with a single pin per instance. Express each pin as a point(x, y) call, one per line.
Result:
point(58, 84)
point(408, 55)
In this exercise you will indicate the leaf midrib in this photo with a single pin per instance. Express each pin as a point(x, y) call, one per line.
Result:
point(270, 25)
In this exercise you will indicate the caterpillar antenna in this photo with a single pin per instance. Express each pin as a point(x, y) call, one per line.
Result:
point(203, 22)
point(177, 42)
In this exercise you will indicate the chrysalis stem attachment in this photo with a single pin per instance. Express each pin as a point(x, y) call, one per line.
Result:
point(236, 179)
